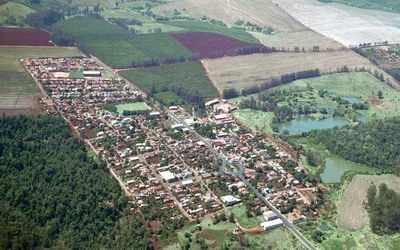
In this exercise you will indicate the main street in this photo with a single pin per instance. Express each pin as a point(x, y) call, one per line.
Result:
point(239, 173)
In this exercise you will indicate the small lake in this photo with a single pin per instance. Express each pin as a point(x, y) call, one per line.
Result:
point(335, 167)
point(305, 123)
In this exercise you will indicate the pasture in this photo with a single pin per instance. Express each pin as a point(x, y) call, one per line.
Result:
point(16, 10)
point(262, 13)
point(257, 121)
point(345, 24)
point(117, 47)
point(351, 211)
point(18, 92)
point(251, 70)
point(189, 77)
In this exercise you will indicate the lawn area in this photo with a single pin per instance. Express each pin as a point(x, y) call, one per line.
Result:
point(76, 74)
point(18, 92)
point(244, 221)
point(257, 121)
point(137, 106)
point(16, 10)
point(117, 47)
point(188, 77)
point(200, 26)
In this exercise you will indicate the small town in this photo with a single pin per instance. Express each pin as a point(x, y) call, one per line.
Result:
point(196, 166)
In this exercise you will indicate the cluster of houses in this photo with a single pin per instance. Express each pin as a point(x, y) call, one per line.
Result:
point(152, 155)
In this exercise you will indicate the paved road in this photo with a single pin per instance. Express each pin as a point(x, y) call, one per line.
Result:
point(239, 174)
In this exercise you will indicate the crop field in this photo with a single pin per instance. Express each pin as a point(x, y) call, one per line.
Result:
point(251, 70)
point(257, 121)
point(16, 10)
point(210, 44)
point(348, 25)
point(118, 47)
point(137, 106)
point(301, 39)
point(351, 212)
point(262, 13)
point(18, 92)
point(387, 5)
point(189, 76)
point(199, 26)
point(24, 37)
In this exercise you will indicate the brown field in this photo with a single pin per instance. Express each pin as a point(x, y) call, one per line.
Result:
point(301, 39)
point(351, 212)
point(251, 70)
point(260, 12)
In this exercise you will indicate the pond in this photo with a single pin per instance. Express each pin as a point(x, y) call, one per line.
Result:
point(306, 123)
point(335, 167)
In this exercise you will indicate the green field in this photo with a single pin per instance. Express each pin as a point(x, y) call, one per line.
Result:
point(244, 221)
point(257, 121)
point(118, 47)
point(214, 28)
point(17, 89)
point(137, 106)
point(385, 5)
point(189, 77)
point(16, 10)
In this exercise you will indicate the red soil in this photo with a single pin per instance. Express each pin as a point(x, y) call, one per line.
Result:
point(210, 44)
point(25, 37)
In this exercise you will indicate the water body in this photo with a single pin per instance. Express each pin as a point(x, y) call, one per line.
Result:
point(352, 100)
point(306, 123)
point(335, 168)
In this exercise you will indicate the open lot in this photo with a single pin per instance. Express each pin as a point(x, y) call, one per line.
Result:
point(256, 120)
point(251, 70)
point(345, 24)
point(351, 211)
point(18, 92)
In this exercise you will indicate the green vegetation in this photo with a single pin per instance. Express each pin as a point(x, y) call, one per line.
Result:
point(386, 5)
point(137, 106)
point(256, 120)
point(117, 47)
point(53, 196)
point(241, 215)
point(186, 80)
point(375, 143)
point(13, 14)
point(384, 219)
point(199, 26)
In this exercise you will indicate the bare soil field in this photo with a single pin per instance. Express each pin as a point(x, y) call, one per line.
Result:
point(18, 92)
point(25, 37)
point(251, 70)
point(260, 12)
point(302, 39)
point(345, 24)
point(351, 211)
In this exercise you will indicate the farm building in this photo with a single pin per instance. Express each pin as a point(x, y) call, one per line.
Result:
point(272, 224)
point(91, 73)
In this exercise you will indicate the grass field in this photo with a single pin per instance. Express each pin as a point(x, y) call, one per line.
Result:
point(118, 47)
point(137, 106)
point(244, 221)
point(345, 24)
point(262, 13)
point(16, 10)
point(198, 26)
point(18, 92)
point(188, 76)
point(251, 70)
point(257, 121)
point(351, 212)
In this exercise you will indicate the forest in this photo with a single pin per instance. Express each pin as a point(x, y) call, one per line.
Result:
point(52, 195)
point(383, 210)
point(375, 143)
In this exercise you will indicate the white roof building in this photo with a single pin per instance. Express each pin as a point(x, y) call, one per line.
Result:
point(272, 224)
point(167, 176)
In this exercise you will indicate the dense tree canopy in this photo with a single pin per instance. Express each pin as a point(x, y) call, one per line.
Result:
point(376, 143)
point(53, 195)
